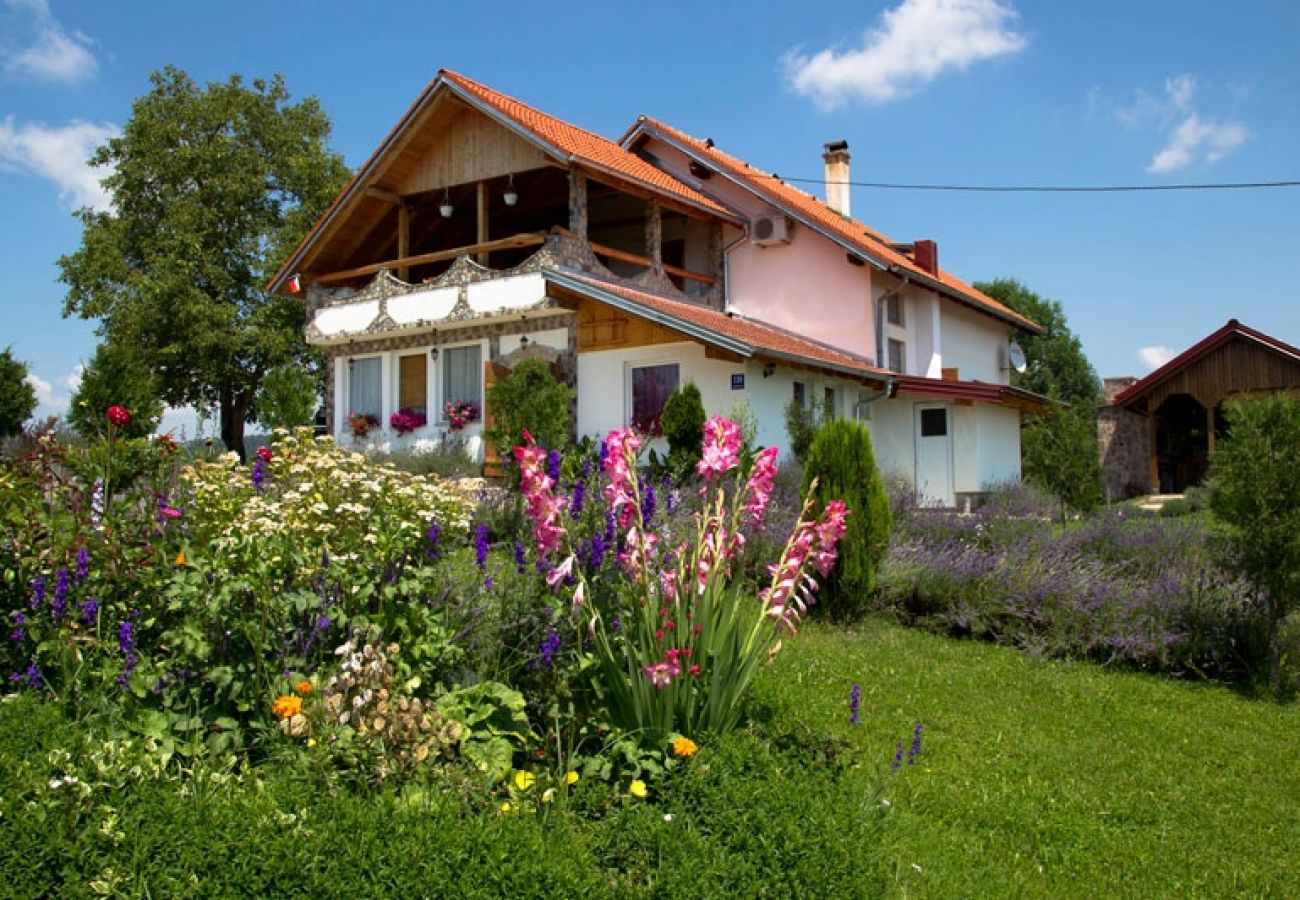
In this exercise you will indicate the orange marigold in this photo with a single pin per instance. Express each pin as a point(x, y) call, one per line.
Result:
point(287, 706)
point(180, 558)
point(303, 688)
point(684, 747)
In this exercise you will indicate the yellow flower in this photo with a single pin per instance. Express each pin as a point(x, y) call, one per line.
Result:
point(286, 706)
point(524, 780)
point(637, 788)
point(570, 777)
point(684, 747)
point(508, 807)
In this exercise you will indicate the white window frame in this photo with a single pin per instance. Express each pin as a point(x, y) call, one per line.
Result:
point(440, 382)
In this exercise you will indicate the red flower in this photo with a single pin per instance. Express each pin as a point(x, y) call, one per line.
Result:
point(118, 415)
point(265, 454)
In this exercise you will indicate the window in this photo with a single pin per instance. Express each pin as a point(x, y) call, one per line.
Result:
point(413, 383)
point(462, 375)
point(828, 403)
point(363, 386)
point(651, 386)
point(894, 310)
point(934, 422)
point(897, 356)
point(800, 394)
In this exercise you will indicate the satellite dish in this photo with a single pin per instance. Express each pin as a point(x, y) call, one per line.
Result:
point(1016, 357)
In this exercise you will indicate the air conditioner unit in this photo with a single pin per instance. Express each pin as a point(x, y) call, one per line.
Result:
point(768, 230)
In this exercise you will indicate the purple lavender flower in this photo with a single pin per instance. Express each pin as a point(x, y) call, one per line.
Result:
point(488, 583)
point(855, 701)
point(59, 602)
point(647, 502)
point(521, 557)
point(90, 611)
point(38, 591)
point(481, 546)
point(898, 758)
point(97, 504)
point(670, 496)
point(83, 565)
point(579, 497)
point(915, 749)
point(586, 467)
point(126, 646)
point(546, 652)
point(553, 465)
point(259, 473)
point(18, 634)
point(434, 533)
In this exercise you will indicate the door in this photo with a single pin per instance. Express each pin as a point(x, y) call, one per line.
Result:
point(934, 454)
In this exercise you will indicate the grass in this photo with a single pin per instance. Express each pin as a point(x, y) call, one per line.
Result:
point(1035, 779)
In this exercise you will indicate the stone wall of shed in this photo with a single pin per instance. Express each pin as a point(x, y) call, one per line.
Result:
point(1124, 440)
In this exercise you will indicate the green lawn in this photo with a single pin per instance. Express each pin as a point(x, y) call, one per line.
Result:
point(1054, 779)
point(1035, 779)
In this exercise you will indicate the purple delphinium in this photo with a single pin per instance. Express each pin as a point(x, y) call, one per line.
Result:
point(546, 652)
point(898, 758)
point(434, 533)
point(90, 611)
point(83, 565)
point(611, 526)
point(38, 591)
point(603, 456)
point(586, 467)
point(481, 546)
point(855, 701)
point(915, 749)
point(59, 602)
point(259, 473)
point(579, 497)
point(18, 634)
point(488, 583)
point(521, 557)
point(97, 504)
point(617, 623)
point(670, 496)
point(553, 465)
point(126, 646)
point(597, 557)
point(647, 502)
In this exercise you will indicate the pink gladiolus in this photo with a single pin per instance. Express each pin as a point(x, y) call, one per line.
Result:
point(758, 490)
point(543, 506)
point(662, 674)
point(722, 441)
point(621, 446)
point(579, 596)
point(560, 573)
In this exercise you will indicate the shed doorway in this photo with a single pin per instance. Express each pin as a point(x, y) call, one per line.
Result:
point(1183, 443)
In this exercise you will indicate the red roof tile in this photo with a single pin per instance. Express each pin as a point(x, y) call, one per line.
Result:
point(804, 205)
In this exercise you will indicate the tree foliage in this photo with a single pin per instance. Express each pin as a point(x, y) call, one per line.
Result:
point(1059, 448)
point(1254, 492)
point(212, 186)
point(289, 398)
point(115, 376)
point(17, 396)
point(843, 464)
point(530, 397)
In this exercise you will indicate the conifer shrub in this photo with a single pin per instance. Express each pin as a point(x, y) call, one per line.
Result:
point(683, 424)
point(841, 462)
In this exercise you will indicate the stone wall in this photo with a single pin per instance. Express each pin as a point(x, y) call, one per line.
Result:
point(1123, 438)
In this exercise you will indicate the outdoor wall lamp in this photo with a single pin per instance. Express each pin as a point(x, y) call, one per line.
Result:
point(768, 369)
point(433, 353)
point(523, 341)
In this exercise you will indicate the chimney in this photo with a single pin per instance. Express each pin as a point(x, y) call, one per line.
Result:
point(837, 158)
point(926, 255)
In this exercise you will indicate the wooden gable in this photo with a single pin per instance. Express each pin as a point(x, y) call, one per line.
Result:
point(464, 146)
point(1237, 366)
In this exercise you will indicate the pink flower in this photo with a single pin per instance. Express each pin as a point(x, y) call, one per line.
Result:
point(662, 674)
point(543, 506)
point(621, 446)
point(560, 573)
point(722, 441)
point(758, 490)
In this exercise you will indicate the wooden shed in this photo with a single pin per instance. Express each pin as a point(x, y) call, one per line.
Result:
point(1167, 423)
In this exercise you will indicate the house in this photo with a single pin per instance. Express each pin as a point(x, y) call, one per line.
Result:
point(482, 232)
point(1156, 433)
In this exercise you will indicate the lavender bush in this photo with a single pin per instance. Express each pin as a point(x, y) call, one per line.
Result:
point(1117, 588)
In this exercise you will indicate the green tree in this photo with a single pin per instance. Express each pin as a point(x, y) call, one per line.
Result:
point(530, 397)
point(683, 424)
point(841, 461)
point(115, 376)
point(1254, 492)
point(1058, 448)
point(289, 397)
point(17, 396)
point(211, 186)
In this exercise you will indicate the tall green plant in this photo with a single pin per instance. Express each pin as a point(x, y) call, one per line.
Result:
point(1059, 453)
point(683, 424)
point(841, 465)
point(1255, 493)
point(530, 397)
point(17, 396)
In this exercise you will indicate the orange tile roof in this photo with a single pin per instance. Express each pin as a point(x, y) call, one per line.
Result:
point(858, 235)
point(583, 145)
point(758, 337)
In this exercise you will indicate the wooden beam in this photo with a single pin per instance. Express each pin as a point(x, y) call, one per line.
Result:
point(1209, 428)
point(532, 239)
point(403, 239)
point(482, 220)
point(637, 260)
point(1155, 461)
point(384, 194)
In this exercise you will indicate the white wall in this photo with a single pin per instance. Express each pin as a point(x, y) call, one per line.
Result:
point(999, 446)
point(971, 344)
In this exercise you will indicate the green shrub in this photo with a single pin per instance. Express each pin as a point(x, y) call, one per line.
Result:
point(288, 397)
point(1256, 495)
point(683, 424)
point(841, 462)
point(530, 397)
point(801, 427)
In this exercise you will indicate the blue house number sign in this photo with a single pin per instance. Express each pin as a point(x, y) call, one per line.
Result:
point(738, 381)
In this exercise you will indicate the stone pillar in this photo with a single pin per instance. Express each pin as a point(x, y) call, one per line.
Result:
point(654, 236)
point(578, 204)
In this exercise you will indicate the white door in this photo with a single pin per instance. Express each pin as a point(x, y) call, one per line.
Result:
point(934, 454)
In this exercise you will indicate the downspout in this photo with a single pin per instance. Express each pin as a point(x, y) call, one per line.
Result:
point(890, 391)
point(880, 318)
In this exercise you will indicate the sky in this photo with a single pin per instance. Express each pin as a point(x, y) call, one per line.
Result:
point(965, 92)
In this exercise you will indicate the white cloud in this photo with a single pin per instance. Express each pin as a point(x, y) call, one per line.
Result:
point(1155, 357)
point(1195, 137)
point(59, 153)
point(73, 378)
point(45, 50)
point(1189, 137)
point(48, 401)
point(915, 42)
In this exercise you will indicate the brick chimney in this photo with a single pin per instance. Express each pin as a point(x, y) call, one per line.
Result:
point(926, 255)
point(837, 158)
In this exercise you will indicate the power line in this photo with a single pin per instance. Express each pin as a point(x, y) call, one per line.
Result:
point(1051, 189)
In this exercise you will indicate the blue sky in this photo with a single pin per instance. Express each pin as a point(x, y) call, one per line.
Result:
point(990, 92)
